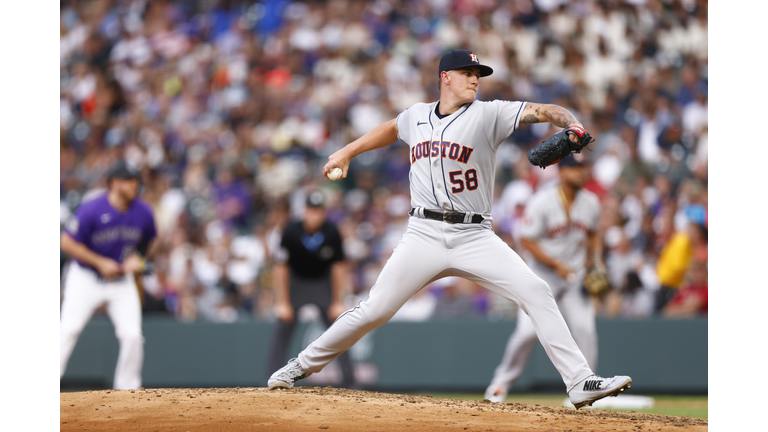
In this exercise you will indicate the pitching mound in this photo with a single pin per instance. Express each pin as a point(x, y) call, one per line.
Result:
point(314, 408)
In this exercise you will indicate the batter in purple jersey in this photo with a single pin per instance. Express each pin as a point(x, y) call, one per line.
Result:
point(107, 240)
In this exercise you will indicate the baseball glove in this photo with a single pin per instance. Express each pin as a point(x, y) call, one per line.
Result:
point(558, 146)
point(596, 280)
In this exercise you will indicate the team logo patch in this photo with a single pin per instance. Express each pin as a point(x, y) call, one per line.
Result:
point(312, 242)
point(105, 218)
point(473, 57)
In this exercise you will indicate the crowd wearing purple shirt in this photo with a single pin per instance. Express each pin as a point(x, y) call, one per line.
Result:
point(231, 108)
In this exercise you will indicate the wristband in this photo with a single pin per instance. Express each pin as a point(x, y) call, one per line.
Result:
point(575, 129)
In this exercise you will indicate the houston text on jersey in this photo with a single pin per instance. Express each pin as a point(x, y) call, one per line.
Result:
point(443, 149)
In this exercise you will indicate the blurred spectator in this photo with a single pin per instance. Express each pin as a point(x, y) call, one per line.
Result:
point(676, 259)
point(185, 288)
point(691, 300)
point(458, 298)
point(634, 169)
point(420, 307)
point(632, 278)
point(233, 200)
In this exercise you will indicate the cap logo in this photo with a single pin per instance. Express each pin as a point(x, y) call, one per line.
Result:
point(473, 57)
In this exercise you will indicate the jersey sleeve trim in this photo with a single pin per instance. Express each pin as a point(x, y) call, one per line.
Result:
point(517, 118)
point(502, 129)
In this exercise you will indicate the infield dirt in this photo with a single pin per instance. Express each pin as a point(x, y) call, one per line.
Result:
point(315, 408)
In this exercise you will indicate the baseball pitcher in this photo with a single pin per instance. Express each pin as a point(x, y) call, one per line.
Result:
point(453, 144)
point(107, 241)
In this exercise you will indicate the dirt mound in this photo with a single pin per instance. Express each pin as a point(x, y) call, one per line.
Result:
point(315, 408)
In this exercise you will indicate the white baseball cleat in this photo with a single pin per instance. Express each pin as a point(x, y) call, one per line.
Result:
point(496, 394)
point(287, 375)
point(594, 388)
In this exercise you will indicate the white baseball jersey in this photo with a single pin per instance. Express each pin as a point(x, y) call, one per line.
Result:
point(453, 159)
point(546, 223)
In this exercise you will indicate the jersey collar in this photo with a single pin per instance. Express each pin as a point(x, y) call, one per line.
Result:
point(436, 111)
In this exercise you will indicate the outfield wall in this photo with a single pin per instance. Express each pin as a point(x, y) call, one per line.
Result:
point(662, 356)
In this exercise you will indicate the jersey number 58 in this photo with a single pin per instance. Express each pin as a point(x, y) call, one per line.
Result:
point(470, 179)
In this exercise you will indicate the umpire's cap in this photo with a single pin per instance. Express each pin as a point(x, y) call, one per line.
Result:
point(316, 199)
point(460, 58)
point(123, 170)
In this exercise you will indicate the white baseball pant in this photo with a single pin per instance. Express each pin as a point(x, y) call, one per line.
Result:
point(579, 313)
point(430, 250)
point(83, 294)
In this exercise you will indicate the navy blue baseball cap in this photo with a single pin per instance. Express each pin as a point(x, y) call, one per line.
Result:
point(460, 58)
point(571, 161)
point(123, 170)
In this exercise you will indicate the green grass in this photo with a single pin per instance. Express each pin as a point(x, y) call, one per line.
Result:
point(681, 406)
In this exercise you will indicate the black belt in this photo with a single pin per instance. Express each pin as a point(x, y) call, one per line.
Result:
point(450, 217)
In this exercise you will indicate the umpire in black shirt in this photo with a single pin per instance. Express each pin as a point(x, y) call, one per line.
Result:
point(309, 269)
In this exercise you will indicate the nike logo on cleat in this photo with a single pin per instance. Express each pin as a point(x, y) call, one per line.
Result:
point(420, 123)
point(592, 385)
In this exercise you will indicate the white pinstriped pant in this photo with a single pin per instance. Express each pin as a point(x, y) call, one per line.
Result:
point(430, 250)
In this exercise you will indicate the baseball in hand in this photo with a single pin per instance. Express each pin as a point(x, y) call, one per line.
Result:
point(335, 174)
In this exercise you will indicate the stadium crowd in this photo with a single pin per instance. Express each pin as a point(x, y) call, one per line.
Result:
point(231, 108)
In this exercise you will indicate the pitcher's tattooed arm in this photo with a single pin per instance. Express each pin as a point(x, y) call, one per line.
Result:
point(555, 114)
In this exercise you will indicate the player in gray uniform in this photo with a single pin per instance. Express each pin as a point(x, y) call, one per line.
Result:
point(107, 240)
point(453, 145)
point(559, 231)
